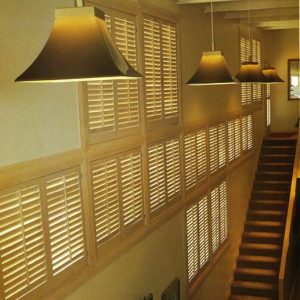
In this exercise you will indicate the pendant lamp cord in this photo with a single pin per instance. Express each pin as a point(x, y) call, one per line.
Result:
point(212, 27)
point(249, 24)
point(78, 3)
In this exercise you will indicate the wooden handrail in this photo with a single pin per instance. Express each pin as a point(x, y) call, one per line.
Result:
point(286, 265)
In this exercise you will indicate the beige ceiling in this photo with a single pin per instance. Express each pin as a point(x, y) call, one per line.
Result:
point(265, 14)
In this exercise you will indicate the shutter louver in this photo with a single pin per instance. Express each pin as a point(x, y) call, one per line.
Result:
point(63, 195)
point(237, 138)
point(203, 231)
point(173, 168)
point(153, 74)
point(131, 182)
point(249, 132)
point(169, 57)
point(213, 149)
point(244, 133)
point(244, 56)
point(268, 111)
point(22, 246)
point(105, 197)
point(230, 131)
point(256, 53)
point(157, 177)
point(201, 154)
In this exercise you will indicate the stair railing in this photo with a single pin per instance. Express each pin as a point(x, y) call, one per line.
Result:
point(288, 265)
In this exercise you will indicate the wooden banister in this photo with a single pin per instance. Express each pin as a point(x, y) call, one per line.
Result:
point(288, 266)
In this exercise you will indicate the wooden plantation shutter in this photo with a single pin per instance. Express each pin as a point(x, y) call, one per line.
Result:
point(234, 139)
point(170, 80)
point(65, 220)
point(219, 213)
point(197, 233)
point(257, 56)
point(131, 185)
point(22, 245)
point(244, 56)
point(106, 199)
point(221, 146)
point(247, 132)
point(160, 61)
point(113, 105)
point(195, 157)
point(164, 173)
point(268, 104)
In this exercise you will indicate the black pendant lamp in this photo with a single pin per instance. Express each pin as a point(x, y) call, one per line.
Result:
point(212, 68)
point(79, 48)
point(250, 71)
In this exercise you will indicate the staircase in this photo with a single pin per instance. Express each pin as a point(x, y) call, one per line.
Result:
point(257, 266)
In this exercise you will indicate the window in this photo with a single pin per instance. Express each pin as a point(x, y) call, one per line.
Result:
point(113, 105)
point(164, 173)
point(244, 56)
point(217, 147)
point(234, 139)
point(247, 132)
point(195, 157)
point(117, 194)
point(160, 62)
point(257, 56)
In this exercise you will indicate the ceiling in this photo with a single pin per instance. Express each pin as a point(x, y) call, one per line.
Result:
point(264, 14)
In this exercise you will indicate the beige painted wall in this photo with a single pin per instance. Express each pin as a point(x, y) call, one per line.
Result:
point(284, 45)
point(36, 119)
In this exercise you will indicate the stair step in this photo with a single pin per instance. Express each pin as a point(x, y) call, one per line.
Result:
point(258, 262)
point(263, 237)
point(268, 205)
point(266, 215)
point(265, 226)
point(288, 150)
point(271, 185)
point(254, 288)
point(260, 275)
point(277, 167)
point(279, 158)
point(260, 249)
point(271, 195)
point(279, 142)
point(244, 297)
point(279, 176)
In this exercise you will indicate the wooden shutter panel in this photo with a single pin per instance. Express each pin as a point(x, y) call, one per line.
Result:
point(244, 133)
point(221, 146)
point(203, 231)
point(230, 132)
point(22, 246)
point(223, 212)
point(215, 220)
point(127, 90)
point(244, 56)
point(268, 111)
point(169, 62)
point(131, 184)
point(256, 54)
point(173, 168)
point(237, 138)
point(63, 195)
point(249, 132)
point(153, 74)
point(101, 106)
point(105, 198)
point(190, 159)
point(157, 176)
point(192, 241)
point(213, 149)
point(201, 154)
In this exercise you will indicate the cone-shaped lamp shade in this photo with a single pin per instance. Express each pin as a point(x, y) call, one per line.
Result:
point(212, 70)
point(271, 75)
point(250, 72)
point(79, 48)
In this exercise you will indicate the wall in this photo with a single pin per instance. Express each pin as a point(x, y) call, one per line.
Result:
point(284, 45)
point(36, 119)
point(42, 119)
